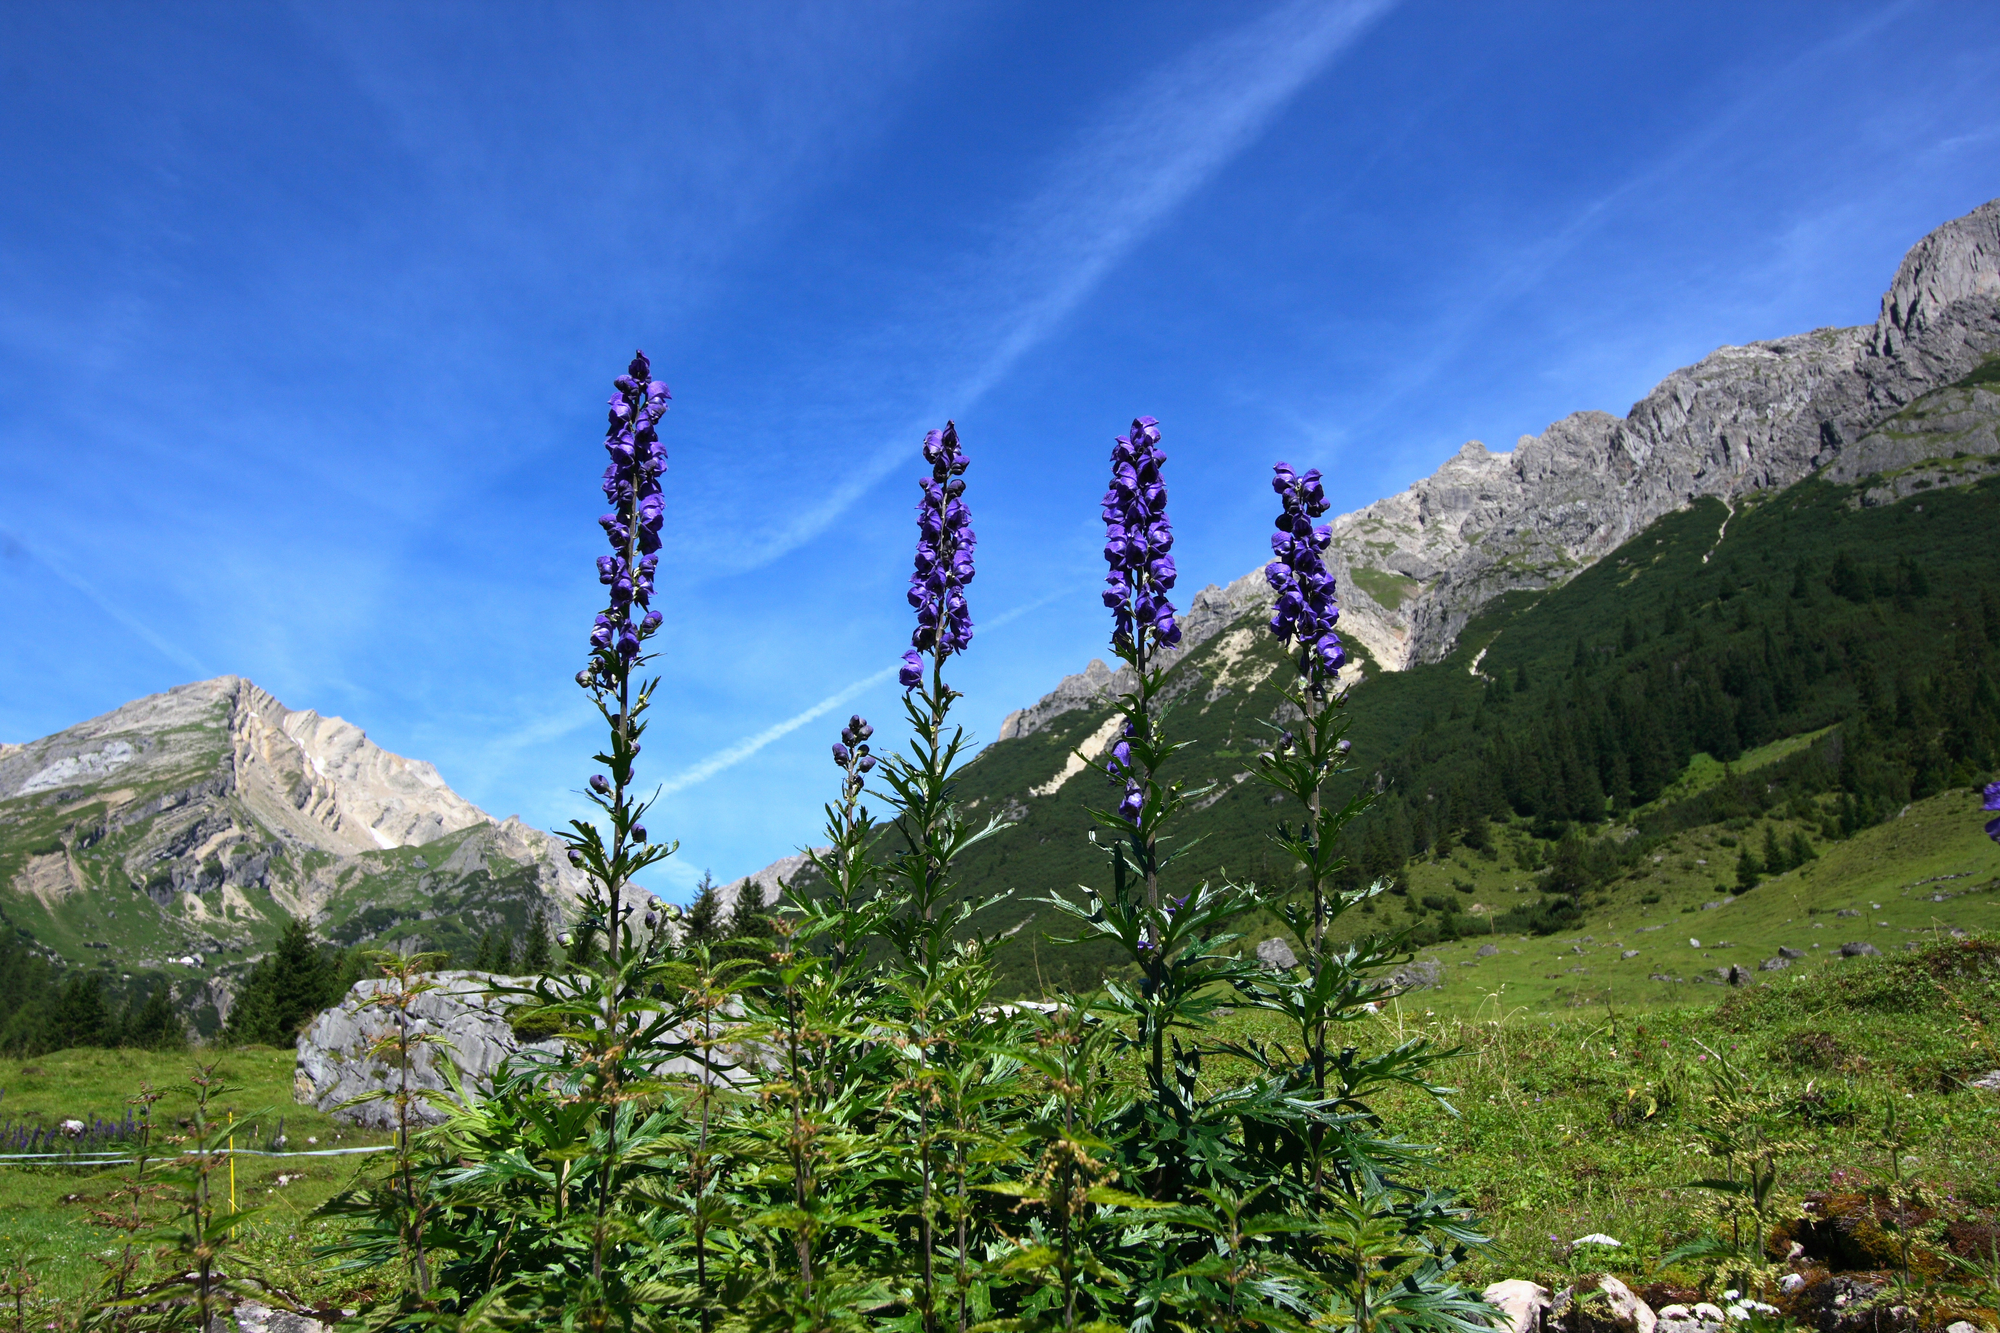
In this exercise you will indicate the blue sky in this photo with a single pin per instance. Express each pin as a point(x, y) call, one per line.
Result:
point(307, 314)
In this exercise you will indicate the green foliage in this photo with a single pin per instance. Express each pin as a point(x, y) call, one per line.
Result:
point(288, 987)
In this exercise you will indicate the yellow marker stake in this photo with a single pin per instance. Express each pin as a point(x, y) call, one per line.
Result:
point(232, 1171)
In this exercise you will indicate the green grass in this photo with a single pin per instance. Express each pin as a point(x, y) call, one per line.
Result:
point(1540, 1133)
point(46, 1210)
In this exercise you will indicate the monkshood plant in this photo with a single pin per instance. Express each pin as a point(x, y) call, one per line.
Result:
point(1337, 983)
point(842, 1129)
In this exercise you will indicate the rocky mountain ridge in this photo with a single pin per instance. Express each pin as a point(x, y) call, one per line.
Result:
point(1416, 566)
point(181, 829)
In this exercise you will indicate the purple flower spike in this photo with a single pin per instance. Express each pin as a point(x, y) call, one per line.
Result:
point(1137, 539)
point(945, 543)
point(632, 485)
point(1305, 611)
point(1993, 803)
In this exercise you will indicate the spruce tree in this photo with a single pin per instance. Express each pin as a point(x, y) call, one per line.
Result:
point(751, 918)
point(704, 917)
point(537, 953)
point(285, 990)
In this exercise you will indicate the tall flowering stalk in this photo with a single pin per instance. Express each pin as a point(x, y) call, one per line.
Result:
point(937, 982)
point(1334, 985)
point(1174, 944)
point(1992, 803)
point(611, 1012)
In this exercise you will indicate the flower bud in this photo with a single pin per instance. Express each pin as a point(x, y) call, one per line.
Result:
point(638, 833)
point(599, 785)
point(575, 857)
point(867, 762)
point(840, 754)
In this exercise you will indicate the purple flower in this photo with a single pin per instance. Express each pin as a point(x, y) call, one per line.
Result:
point(841, 754)
point(945, 543)
point(1134, 801)
point(632, 485)
point(1993, 803)
point(1137, 539)
point(1304, 612)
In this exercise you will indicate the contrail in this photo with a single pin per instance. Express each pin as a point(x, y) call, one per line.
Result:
point(743, 749)
point(749, 745)
point(1124, 177)
point(159, 645)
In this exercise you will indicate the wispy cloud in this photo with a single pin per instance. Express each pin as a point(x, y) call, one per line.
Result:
point(749, 745)
point(1124, 177)
point(172, 652)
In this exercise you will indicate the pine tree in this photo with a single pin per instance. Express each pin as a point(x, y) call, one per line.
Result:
point(1775, 860)
point(81, 1017)
point(1748, 868)
point(751, 917)
point(704, 918)
point(537, 954)
point(155, 1026)
point(286, 989)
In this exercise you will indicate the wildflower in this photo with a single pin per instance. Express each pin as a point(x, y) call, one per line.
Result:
point(1137, 540)
point(943, 567)
point(632, 485)
point(1992, 803)
point(1305, 611)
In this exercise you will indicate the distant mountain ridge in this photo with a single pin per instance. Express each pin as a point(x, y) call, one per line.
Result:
point(1415, 567)
point(1884, 412)
point(193, 822)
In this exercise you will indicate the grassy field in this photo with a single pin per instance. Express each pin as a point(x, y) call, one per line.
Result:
point(1906, 882)
point(1564, 1122)
point(47, 1210)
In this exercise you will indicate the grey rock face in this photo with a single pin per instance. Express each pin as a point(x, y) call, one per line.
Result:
point(1847, 403)
point(334, 1068)
point(1277, 955)
point(204, 816)
point(1420, 974)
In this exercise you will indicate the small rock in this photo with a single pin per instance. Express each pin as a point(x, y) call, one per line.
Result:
point(1277, 955)
point(1694, 943)
point(1736, 974)
point(1989, 1082)
point(1599, 1238)
point(1709, 1314)
point(1422, 974)
point(1859, 949)
point(1787, 951)
point(1961, 1326)
point(1521, 1302)
point(1778, 964)
point(1791, 1282)
point(1629, 953)
point(1631, 1314)
point(1680, 1319)
point(1488, 950)
point(1848, 911)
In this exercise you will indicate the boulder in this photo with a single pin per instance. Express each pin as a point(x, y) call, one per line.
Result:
point(1859, 949)
point(1521, 1303)
point(1735, 974)
point(1777, 964)
point(1420, 974)
point(1488, 950)
point(1277, 955)
point(1629, 954)
point(1628, 1312)
point(1787, 951)
point(1681, 1319)
point(333, 1063)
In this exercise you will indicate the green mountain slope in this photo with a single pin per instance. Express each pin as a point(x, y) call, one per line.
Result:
point(170, 841)
point(1776, 681)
